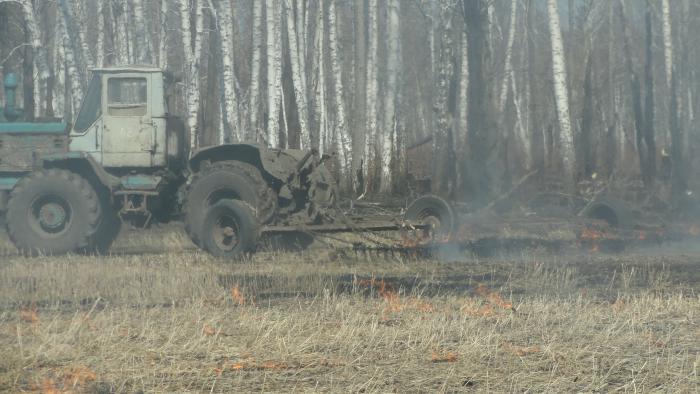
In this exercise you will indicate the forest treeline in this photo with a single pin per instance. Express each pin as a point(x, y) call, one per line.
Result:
point(575, 89)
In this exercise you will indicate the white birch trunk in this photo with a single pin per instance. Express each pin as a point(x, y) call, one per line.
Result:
point(522, 132)
point(81, 29)
point(100, 44)
point(35, 38)
point(460, 140)
point(508, 67)
point(37, 96)
point(163, 35)
point(392, 70)
point(142, 38)
point(321, 82)
point(59, 89)
point(301, 28)
point(561, 91)
point(370, 146)
point(343, 144)
point(255, 71)
point(192, 62)
point(72, 68)
point(120, 24)
point(228, 80)
point(274, 71)
point(668, 41)
point(295, 55)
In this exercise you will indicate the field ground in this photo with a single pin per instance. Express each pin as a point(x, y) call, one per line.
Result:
point(159, 316)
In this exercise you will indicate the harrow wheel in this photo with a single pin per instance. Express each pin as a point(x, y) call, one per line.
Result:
point(436, 213)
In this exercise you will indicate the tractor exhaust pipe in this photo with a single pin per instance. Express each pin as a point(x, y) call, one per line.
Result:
point(11, 112)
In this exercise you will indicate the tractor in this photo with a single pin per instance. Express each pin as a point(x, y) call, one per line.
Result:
point(68, 188)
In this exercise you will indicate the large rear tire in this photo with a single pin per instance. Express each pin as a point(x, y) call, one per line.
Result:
point(227, 180)
point(107, 230)
point(230, 229)
point(52, 212)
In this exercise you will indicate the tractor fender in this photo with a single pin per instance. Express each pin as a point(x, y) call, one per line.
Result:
point(279, 164)
point(83, 164)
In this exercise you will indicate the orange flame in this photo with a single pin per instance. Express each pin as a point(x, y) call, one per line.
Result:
point(493, 297)
point(694, 230)
point(394, 301)
point(48, 386)
point(29, 316)
point(619, 305)
point(253, 366)
point(472, 309)
point(237, 296)
point(79, 376)
point(521, 351)
point(591, 235)
point(443, 357)
point(208, 330)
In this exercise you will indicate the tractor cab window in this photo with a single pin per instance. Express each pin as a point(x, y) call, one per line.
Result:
point(127, 96)
point(91, 108)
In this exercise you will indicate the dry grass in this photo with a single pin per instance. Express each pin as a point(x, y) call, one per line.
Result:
point(183, 322)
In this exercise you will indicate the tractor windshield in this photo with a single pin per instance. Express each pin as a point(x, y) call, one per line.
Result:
point(92, 106)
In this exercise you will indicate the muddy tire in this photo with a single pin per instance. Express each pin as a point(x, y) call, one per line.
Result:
point(108, 229)
point(232, 180)
point(52, 212)
point(230, 229)
point(611, 210)
point(435, 211)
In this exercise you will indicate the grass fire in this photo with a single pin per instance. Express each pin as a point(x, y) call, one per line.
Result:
point(317, 320)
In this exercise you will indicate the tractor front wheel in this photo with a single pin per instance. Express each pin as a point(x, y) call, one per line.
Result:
point(52, 212)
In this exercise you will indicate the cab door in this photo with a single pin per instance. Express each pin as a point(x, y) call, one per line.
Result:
point(128, 136)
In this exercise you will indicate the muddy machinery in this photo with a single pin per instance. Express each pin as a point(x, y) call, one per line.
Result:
point(68, 188)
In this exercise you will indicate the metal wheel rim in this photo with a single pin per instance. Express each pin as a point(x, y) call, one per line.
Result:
point(225, 233)
point(50, 215)
point(429, 217)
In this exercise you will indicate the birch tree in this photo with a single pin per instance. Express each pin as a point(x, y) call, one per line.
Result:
point(441, 138)
point(256, 65)
point(343, 145)
point(321, 138)
point(35, 38)
point(296, 53)
point(229, 112)
point(79, 17)
point(460, 135)
point(163, 35)
point(359, 92)
point(668, 41)
point(71, 66)
point(59, 72)
point(370, 151)
point(120, 23)
point(100, 45)
point(142, 39)
point(508, 64)
point(561, 95)
point(392, 70)
point(193, 53)
point(274, 72)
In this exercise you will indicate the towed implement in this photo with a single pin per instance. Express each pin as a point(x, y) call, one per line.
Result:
point(68, 188)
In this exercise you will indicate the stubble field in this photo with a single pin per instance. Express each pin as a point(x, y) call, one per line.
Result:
point(160, 316)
